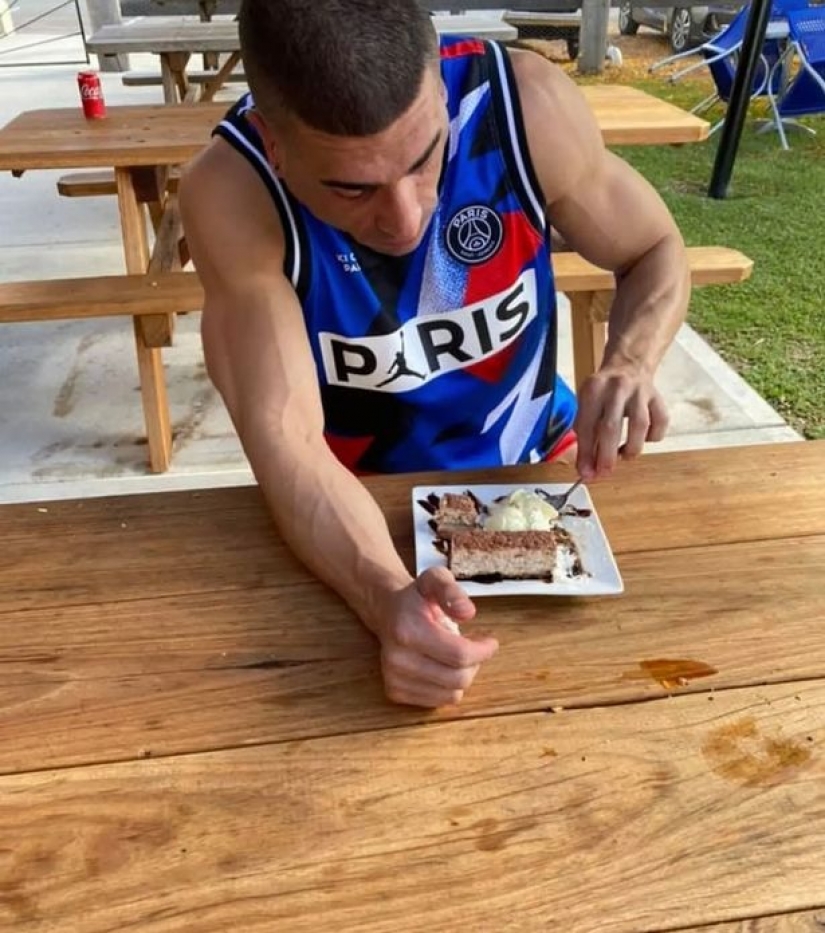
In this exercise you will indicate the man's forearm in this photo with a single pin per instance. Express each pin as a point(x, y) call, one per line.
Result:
point(650, 304)
point(329, 520)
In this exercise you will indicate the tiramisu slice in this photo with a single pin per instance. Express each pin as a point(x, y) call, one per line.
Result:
point(513, 555)
point(456, 512)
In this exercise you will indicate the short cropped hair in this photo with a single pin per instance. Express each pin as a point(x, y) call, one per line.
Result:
point(344, 67)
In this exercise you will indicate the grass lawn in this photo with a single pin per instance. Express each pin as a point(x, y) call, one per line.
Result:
point(771, 329)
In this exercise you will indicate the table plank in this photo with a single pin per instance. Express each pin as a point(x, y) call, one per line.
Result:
point(805, 921)
point(193, 673)
point(735, 494)
point(87, 551)
point(158, 134)
point(618, 819)
point(222, 35)
point(156, 37)
point(198, 534)
point(628, 119)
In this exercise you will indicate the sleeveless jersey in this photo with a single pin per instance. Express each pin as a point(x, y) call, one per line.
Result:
point(446, 358)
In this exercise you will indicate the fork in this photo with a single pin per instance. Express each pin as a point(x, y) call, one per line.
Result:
point(559, 500)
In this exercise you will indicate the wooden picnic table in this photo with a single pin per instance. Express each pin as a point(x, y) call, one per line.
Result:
point(142, 143)
point(175, 42)
point(193, 733)
point(156, 136)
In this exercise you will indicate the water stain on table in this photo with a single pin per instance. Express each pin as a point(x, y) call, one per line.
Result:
point(740, 753)
point(491, 838)
point(671, 672)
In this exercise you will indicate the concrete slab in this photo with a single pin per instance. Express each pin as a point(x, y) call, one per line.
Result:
point(70, 414)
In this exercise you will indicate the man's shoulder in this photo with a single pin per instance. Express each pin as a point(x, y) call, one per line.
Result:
point(561, 130)
point(216, 165)
point(220, 195)
point(544, 88)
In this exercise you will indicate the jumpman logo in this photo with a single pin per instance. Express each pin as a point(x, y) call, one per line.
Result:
point(399, 364)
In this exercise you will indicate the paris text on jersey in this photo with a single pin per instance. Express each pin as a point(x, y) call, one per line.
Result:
point(430, 345)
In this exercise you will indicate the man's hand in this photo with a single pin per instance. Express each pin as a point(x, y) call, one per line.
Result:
point(605, 400)
point(424, 660)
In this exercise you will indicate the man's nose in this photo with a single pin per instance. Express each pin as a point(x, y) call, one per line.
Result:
point(400, 210)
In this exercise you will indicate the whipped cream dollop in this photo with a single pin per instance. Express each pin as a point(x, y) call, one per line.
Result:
point(522, 510)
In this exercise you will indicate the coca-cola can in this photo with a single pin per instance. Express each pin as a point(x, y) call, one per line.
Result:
point(91, 95)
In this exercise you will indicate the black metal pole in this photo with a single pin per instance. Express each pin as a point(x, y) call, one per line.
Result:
point(754, 39)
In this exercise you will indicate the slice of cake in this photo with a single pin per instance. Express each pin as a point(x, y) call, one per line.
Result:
point(456, 512)
point(517, 537)
point(513, 555)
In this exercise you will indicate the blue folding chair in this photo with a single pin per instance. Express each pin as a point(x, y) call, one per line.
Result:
point(805, 92)
point(721, 54)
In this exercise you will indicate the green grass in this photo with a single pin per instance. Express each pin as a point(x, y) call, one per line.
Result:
point(771, 329)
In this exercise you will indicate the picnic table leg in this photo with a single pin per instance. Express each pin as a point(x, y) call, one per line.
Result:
point(589, 312)
point(213, 85)
point(173, 76)
point(150, 363)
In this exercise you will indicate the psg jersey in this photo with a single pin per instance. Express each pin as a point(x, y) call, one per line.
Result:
point(446, 358)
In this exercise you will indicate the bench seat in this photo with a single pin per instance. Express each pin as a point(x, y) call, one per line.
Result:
point(151, 301)
point(100, 296)
point(153, 298)
point(95, 183)
point(590, 290)
point(153, 78)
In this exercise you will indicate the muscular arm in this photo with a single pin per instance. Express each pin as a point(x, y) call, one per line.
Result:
point(606, 211)
point(258, 355)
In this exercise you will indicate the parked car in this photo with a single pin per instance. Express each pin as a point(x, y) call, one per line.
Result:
point(685, 26)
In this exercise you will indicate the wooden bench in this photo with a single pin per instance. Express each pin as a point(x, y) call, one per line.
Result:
point(590, 290)
point(148, 299)
point(151, 299)
point(99, 183)
point(154, 78)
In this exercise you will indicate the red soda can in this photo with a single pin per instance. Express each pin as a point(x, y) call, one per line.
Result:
point(91, 95)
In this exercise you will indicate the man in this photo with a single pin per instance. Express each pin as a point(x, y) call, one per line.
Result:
point(372, 235)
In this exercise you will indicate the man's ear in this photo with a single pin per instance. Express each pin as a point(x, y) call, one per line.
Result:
point(270, 145)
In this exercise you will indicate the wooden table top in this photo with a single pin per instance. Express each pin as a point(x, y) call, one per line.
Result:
point(193, 735)
point(157, 134)
point(222, 35)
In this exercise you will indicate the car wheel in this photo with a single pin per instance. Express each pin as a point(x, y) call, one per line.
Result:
point(573, 47)
point(627, 25)
point(680, 29)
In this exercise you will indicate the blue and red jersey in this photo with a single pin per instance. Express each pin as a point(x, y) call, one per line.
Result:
point(446, 358)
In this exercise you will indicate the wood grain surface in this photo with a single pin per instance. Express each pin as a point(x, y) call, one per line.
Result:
point(193, 733)
point(146, 134)
point(660, 502)
point(190, 673)
point(647, 817)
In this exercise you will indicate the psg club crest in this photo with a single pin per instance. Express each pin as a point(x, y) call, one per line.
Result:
point(474, 234)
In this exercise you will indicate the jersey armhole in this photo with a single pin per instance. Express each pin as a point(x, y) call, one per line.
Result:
point(296, 254)
point(514, 147)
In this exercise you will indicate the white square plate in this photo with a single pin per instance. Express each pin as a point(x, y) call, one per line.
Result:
point(601, 575)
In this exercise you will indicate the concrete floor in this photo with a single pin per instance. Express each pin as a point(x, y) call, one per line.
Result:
point(70, 414)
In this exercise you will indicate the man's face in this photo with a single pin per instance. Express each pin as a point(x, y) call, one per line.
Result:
point(381, 189)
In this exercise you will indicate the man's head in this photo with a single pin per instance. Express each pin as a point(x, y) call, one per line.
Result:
point(351, 108)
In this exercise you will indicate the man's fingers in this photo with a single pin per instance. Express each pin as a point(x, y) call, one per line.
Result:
point(659, 418)
point(437, 585)
point(639, 420)
point(402, 665)
point(609, 434)
point(438, 643)
point(587, 419)
point(412, 692)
